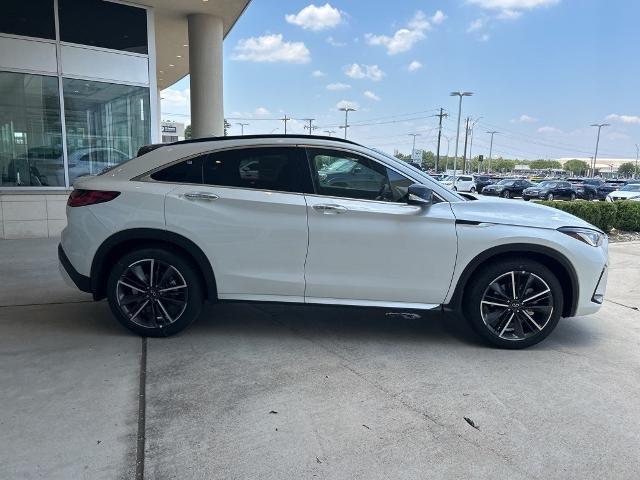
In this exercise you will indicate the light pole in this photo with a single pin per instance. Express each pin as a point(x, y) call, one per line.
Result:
point(595, 156)
point(346, 111)
point(492, 133)
point(455, 158)
point(448, 139)
point(635, 175)
point(330, 132)
point(413, 148)
point(473, 124)
point(242, 125)
point(274, 130)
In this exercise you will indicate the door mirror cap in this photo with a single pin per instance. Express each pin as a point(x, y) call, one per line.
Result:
point(419, 195)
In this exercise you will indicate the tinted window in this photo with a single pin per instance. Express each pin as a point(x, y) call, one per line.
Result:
point(103, 24)
point(270, 168)
point(341, 174)
point(32, 19)
point(188, 171)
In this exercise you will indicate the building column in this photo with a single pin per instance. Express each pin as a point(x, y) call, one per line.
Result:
point(205, 67)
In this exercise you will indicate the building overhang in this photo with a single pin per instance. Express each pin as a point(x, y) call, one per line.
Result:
point(171, 31)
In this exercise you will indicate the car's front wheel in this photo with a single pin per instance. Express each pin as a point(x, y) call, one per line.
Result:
point(506, 194)
point(473, 190)
point(550, 196)
point(514, 303)
point(154, 292)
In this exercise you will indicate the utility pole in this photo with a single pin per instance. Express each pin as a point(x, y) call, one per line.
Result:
point(473, 125)
point(595, 156)
point(309, 127)
point(330, 132)
point(346, 111)
point(455, 159)
point(441, 115)
point(492, 133)
point(464, 155)
point(242, 125)
point(635, 175)
point(285, 119)
point(413, 149)
point(448, 139)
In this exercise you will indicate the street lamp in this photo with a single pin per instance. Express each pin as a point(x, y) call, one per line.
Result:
point(635, 175)
point(473, 124)
point(413, 149)
point(242, 125)
point(455, 158)
point(595, 156)
point(330, 132)
point(492, 133)
point(346, 111)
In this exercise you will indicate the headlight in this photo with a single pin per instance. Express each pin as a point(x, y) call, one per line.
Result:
point(586, 235)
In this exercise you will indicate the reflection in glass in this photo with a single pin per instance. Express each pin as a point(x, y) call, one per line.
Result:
point(30, 131)
point(106, 124)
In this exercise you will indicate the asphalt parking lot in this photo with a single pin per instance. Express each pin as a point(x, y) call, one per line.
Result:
point(305, 392)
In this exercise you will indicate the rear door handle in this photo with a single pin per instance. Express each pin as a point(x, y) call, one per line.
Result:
point(330, 209)
point(201, 196)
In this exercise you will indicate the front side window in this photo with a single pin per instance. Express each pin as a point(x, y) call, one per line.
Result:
point(30, 131)
point(187, 171)
point(264, 168)
point(342, 174)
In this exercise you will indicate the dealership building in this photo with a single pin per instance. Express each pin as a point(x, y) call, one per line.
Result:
point(79, 91)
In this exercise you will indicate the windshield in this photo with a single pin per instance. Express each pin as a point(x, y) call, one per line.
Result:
point(547, 184)
point(634, 187)
point(506, 182)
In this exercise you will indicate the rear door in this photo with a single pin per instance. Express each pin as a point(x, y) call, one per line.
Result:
point(367, 246)
point(245, 208)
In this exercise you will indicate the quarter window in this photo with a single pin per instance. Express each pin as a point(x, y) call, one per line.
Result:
point(267, 168)
point(341, 174)
point(187, 171)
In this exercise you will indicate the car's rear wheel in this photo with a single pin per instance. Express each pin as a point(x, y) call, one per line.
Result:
point(473, 190)
point(514, 303)
point(572, 197)
point(506, 194)
point(550, 196)
point(154, 292)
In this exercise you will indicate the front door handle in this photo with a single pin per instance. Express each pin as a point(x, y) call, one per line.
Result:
point(201, 196)
point(330, 209)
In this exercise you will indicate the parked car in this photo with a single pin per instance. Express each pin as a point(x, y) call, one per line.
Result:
point(550, 190)
point(592, 188)
point(482, 181)
point(463, 183)
point(164, 232)
point(630, 191)
point(507, 188)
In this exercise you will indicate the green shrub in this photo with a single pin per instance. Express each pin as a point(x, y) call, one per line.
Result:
point(601, 214)
point(628, 217)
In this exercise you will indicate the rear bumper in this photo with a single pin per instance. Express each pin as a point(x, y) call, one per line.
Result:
point(81, 281)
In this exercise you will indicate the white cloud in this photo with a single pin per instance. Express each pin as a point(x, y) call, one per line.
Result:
point(338, 86)
point(347, 104)
point(318, 73)
point(485, 37)
point(415, 65)
point(261, 112)
point(524, 119)
point(334, 43)
point(316, 18)
point(372, 96)
point(511, 9)
point(475, 25)
point(171, 98)
point(548, 129)
point(405, 38)
point(509, 14)
point(614, 117)
point(270, 48)
point(372, 72)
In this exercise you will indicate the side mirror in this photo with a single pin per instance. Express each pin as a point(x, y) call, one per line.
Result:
point(419, 195)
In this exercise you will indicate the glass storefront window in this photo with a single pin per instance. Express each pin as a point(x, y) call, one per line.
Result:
point(103, 24)
point(34, 18)
point(106, 124)
point(30, 131)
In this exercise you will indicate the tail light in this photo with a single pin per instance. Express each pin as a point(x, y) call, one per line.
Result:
point(81, 198)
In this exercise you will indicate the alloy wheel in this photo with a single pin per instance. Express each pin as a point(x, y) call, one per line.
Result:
point(152, 293)
point(517, 305)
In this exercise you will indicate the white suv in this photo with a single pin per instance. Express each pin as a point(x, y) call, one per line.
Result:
point(318, 220)
point(463, 183)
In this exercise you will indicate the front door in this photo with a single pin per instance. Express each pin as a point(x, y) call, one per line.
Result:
point(367, 246)
point(249, 216)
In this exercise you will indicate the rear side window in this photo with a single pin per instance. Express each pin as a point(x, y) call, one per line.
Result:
point(281, 169)
point(187, 171)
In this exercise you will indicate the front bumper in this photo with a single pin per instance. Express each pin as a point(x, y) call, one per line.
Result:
point(491, 192)
point(81, 281)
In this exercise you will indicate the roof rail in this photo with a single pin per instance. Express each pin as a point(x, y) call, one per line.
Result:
point(271, 136)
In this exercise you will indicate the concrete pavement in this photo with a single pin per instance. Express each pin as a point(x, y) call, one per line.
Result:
point(357, 395)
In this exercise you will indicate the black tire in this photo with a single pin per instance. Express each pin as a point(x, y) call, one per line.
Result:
point(542, 318)
point(506, 194)
point(572, 197)
point(550, 197)
point(166, 312)
point(473, 190)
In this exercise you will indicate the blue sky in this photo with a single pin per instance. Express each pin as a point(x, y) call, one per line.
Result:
point(541, 71)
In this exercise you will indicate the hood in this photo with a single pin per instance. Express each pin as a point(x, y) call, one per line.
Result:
point(513, 212)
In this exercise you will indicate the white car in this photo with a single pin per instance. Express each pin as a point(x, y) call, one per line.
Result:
point(187, 223)
point(462, 183)
point(630, 191)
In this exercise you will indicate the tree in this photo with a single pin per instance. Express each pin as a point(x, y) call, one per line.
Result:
point(627, 169)
point(227, 126)
point(428, 160)
point(187, 132)
point(545, 164)
point(576, 167)
point(502, 165)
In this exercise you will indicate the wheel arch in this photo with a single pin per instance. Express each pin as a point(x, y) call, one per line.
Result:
point(555, 261)
point(124, 241)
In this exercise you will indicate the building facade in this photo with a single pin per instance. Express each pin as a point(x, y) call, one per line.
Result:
point(171, 131)
point(79, 91)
